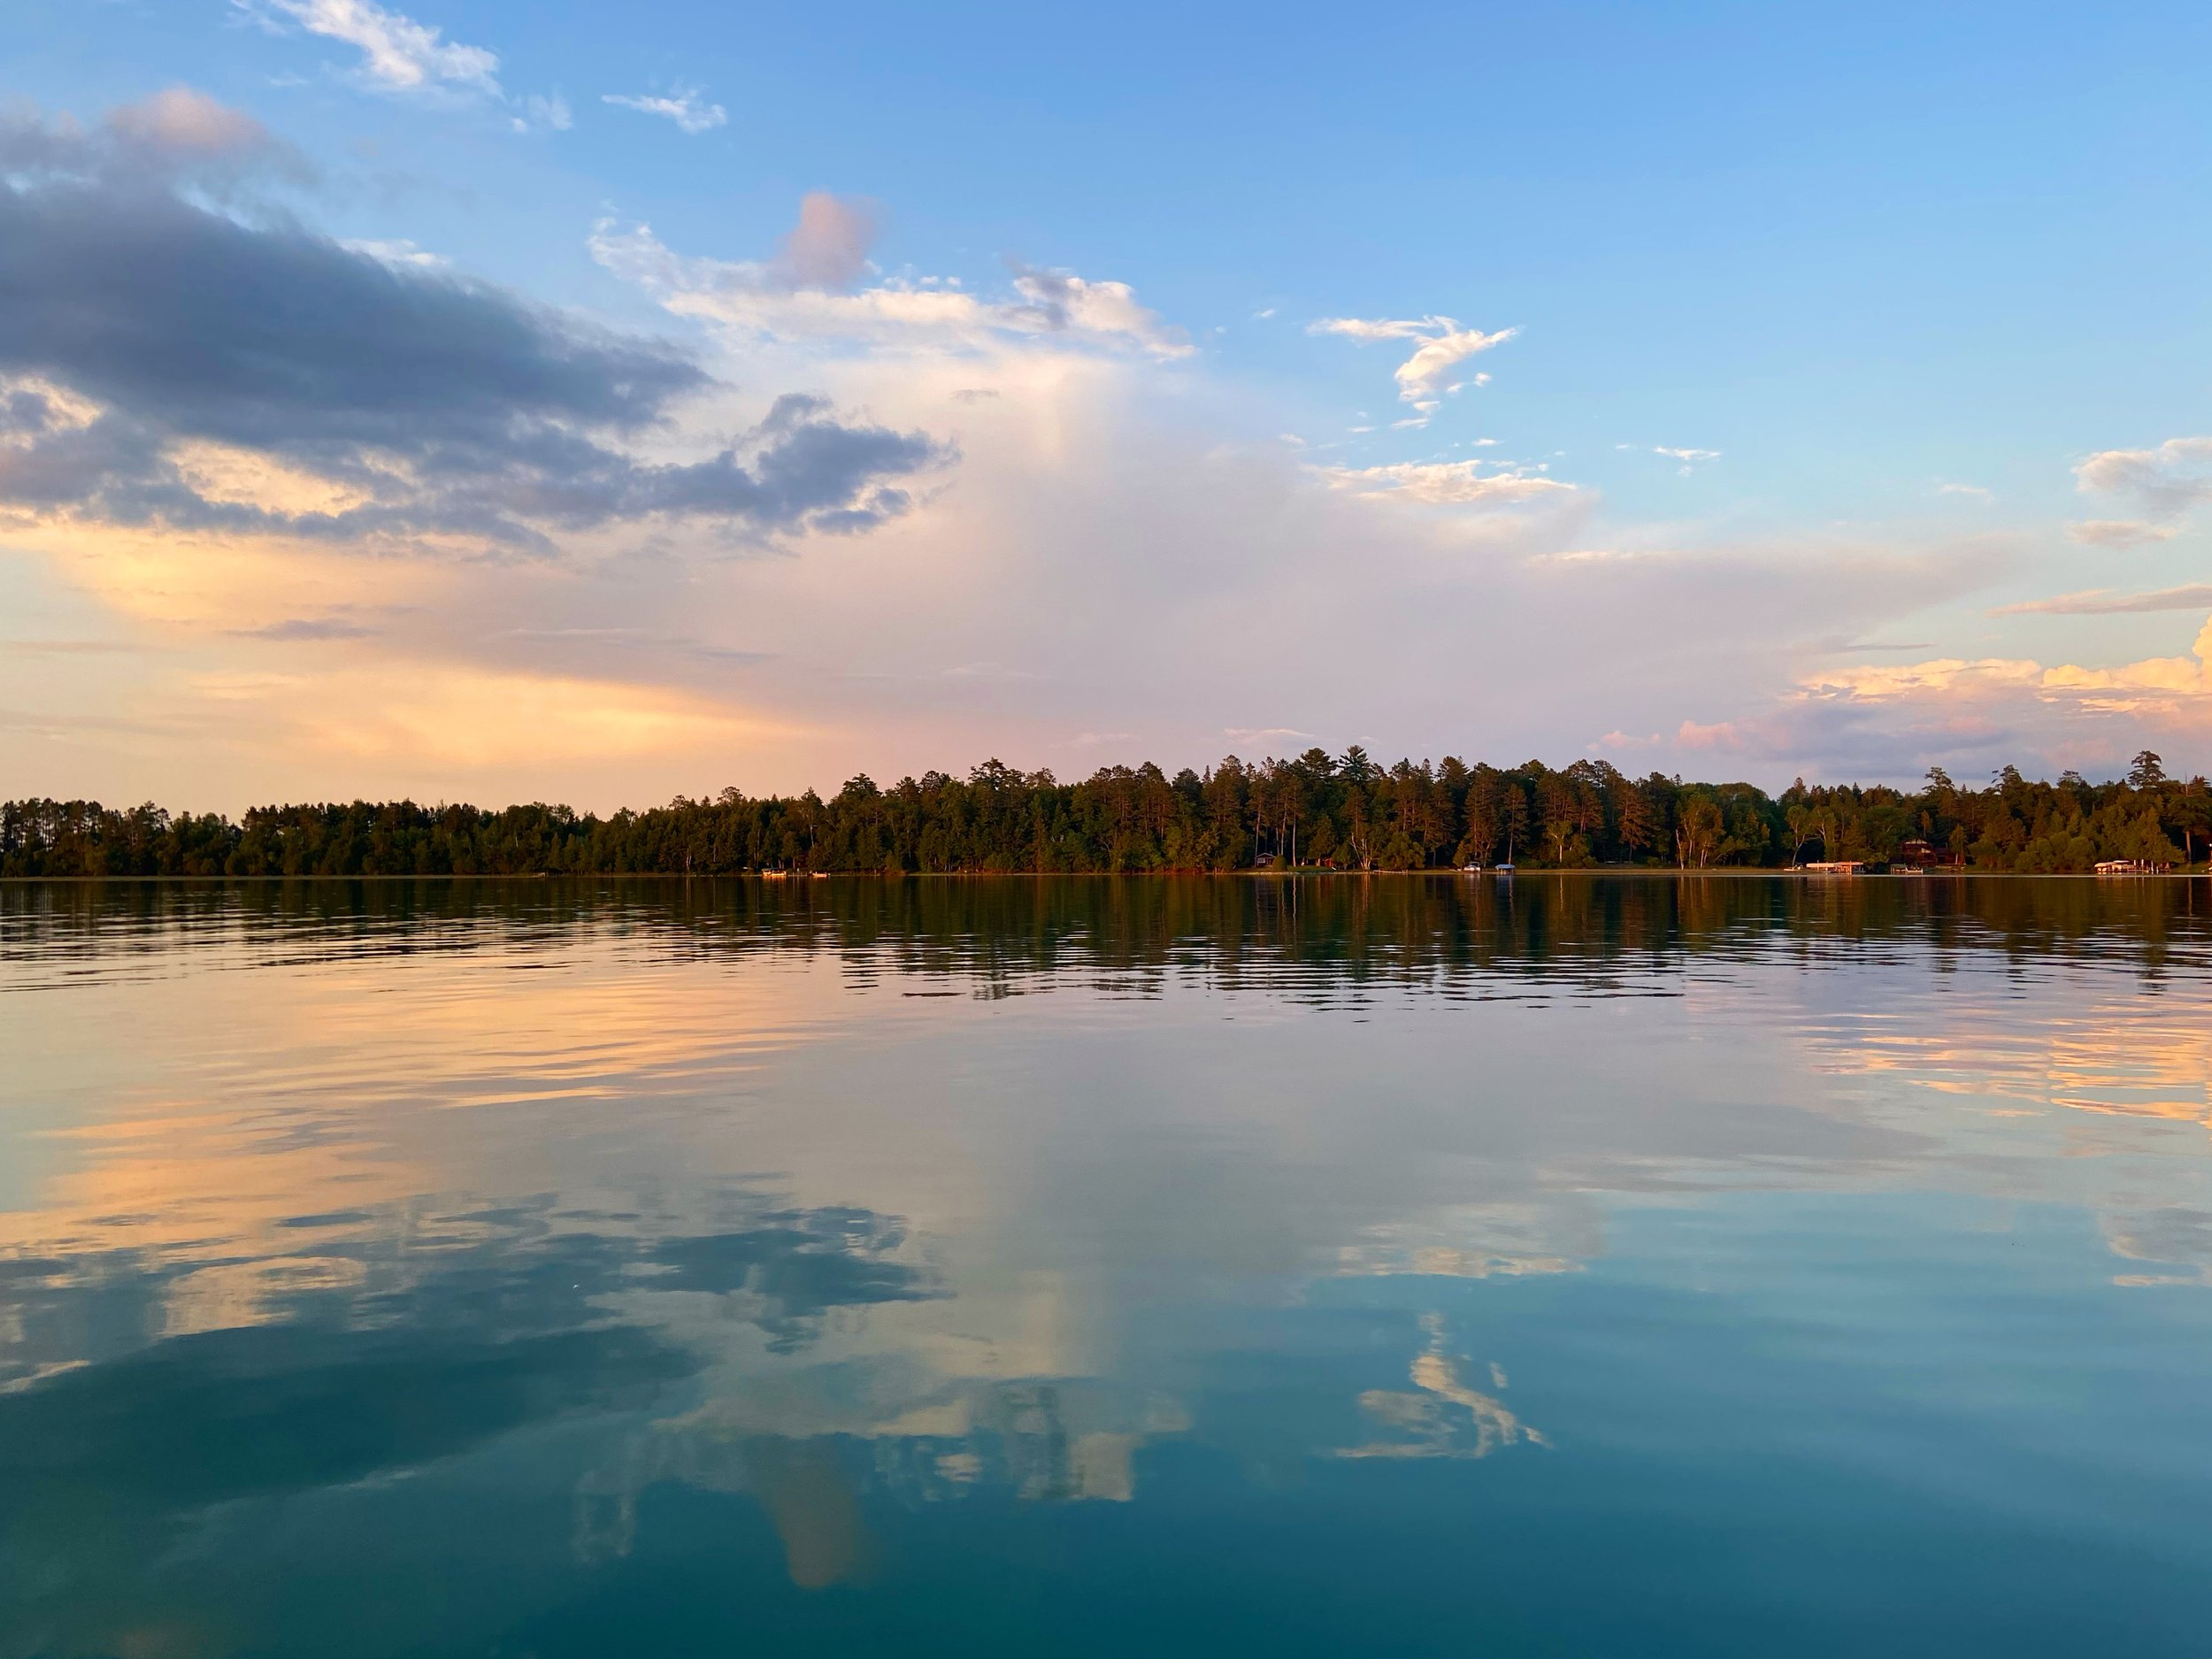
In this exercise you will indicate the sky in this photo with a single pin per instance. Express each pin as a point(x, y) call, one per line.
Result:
point(594, 403)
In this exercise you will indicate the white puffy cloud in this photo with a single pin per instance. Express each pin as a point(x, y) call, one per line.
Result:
point(2166, 480)
point(1426, 374)
point(684, 105)
point(2013, 708)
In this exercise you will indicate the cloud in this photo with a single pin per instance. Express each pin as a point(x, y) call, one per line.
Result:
point(1691, 459)
point(2175, 691)
point(1444, 345)
point(175, 137)
point(396, 251)
point(1061, 303)
point(401, 57)
point(2119, 532)
point(183, 122)
point(1878, 681)
point(681, 106)
point(828, 246)
point(293, 629)
point(1973, 490)
point(2166, 480)
point(802, 294)
point(545, 110)
point(2100, 602)
point(1444, 483)
point(398, 53)
point(164, 364)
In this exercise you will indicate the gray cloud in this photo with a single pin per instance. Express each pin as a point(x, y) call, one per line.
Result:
point(440, 405)
point(293, 629)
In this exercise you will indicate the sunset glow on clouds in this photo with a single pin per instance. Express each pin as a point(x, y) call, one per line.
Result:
point(306, 488)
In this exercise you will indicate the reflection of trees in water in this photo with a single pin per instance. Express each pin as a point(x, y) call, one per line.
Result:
point(1312, 937)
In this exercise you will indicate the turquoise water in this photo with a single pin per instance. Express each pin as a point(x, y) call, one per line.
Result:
point(1405, 1265)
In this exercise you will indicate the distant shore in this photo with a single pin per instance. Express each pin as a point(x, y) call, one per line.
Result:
point(1317, 814)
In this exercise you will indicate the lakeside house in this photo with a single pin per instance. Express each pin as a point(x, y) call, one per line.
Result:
point(2132, 867)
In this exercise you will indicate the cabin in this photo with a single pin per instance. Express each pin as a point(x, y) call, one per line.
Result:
point(1836, 867)
point(2132, 867)
point(1916, 853)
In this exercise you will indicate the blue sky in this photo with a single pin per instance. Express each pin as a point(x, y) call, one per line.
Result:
point(1888, 281)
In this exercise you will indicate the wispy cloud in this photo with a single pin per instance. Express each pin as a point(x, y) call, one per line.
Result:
point(1975, 491)
point(398, 53)
point(401, 56)
point(394, 252)
point(814, 289)
point(1691, 459)
point(2099, 602)
point(1427, 375)
point(296, 629)
point(1444, 483)
point(682, 105)
point(2119, 532)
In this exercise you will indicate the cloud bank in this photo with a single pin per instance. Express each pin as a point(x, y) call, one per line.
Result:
point(169, 363)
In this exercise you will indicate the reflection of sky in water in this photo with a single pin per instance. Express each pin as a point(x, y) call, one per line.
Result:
point(1727, 1266)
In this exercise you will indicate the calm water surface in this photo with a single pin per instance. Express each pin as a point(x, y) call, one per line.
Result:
point(1409, 1265)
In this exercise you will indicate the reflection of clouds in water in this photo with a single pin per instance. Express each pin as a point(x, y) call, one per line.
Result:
point(1553, 1235)
point(1038, 1442)
point(538, 1266)
point(2106, 1082)
point(2167, 1238)
point(345, 1184)
point(1447, 1419)
point(2130, 1060)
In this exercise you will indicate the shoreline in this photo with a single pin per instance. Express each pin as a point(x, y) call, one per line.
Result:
point(1734, 872)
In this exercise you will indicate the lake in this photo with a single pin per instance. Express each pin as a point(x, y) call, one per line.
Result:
point(1407, 1265)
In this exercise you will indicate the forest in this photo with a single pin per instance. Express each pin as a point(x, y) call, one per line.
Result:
point(1314, 812)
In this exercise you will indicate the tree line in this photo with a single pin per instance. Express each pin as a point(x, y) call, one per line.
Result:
point(1313, 810)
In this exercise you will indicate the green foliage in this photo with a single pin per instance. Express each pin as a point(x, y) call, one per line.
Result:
point(1349, 813)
